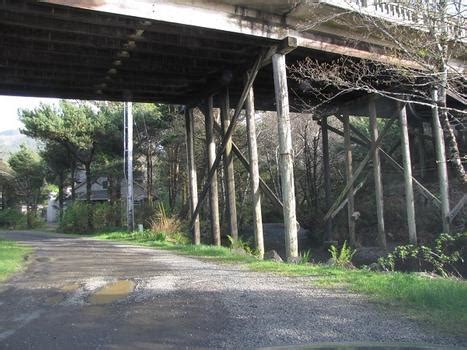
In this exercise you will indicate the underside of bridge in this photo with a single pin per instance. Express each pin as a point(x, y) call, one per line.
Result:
point(50, 50)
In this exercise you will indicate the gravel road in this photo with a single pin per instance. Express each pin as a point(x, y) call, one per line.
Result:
point(81, 293)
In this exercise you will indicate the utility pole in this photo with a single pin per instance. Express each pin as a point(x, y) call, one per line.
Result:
point(128, 163)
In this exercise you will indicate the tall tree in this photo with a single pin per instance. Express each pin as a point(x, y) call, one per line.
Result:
point(151, 120)
point(75, 125)
point(58, 165)
point(29, 178)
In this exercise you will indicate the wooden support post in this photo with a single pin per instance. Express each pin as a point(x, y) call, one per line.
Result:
point(349, 179)
point(438, 137)
point(252, 73)
point(229, 168)
point(191, 170)
point(327, 176)
point(286, 154)
point(381, 239)
point(409, 198)
point(254, 173)
point(213, 191)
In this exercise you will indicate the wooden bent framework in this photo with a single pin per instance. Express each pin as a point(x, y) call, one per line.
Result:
point(373, 144)
point(276, 54)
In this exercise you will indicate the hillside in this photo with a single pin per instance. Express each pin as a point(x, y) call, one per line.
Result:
point(10, 140)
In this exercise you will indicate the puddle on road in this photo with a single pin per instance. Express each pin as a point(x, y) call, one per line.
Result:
point(112, 292)
point(55, 299)
point(43, 259)
point(70, 287)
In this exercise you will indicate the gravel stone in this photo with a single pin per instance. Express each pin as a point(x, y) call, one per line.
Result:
point(180, 302)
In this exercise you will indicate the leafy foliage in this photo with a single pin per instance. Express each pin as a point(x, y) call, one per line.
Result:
point(11, 218)
point(304, 257)
point(75, 218)
point(441, 258)
point(342, 257)
point(29, 178)
point(76, 214)
point(239, 244)
point(162, 222)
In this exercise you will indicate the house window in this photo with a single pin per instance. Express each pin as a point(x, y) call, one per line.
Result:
point(105, 184)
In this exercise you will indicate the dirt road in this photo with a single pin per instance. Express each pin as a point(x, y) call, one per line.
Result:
point(86, 294)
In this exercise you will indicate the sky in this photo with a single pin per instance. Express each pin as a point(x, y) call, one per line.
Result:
point(9, 106)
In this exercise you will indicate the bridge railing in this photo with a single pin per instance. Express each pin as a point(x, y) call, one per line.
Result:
point(396, 12)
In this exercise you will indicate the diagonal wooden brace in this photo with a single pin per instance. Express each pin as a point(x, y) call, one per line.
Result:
point(423, 190)
point(360, 168)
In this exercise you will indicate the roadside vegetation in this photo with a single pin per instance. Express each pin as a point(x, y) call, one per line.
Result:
point(11, 258)
point(440, 301)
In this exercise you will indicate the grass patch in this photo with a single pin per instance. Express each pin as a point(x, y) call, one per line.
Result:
point(205, 251)
point(11, 258)
point(441, 302)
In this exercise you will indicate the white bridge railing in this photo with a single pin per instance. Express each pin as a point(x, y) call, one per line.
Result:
point(396, 12)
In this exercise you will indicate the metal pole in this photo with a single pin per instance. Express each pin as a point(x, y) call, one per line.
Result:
point(128, 115)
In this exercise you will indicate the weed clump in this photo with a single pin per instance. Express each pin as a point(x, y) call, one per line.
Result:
point(341, 257)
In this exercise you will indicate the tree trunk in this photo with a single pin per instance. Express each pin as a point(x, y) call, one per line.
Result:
point(73, 190)
point(61, 184)
point(149, 175)
point(451, 142)
point(110, 190)
point(87, 167)
point(28, 215)
point(118, 200)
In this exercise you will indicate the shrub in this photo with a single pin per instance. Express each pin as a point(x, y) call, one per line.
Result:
point(11, 218)
point(14, 219)
point(239, 244)
point(103, 216)
point(161, 222)
point(342, 258)
point(443, 258)
point(75, 218)
point(304, 257)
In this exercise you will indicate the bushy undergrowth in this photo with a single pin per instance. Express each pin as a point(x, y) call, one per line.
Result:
point(342, 257)
point(160, 221)
point(444, 257)
point(14, 219)
point(240, 245)
point(11, 218)
point(75, 217)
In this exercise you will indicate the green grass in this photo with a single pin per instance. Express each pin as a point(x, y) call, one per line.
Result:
point(440, 301)
point(11, 258)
